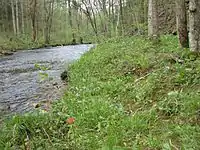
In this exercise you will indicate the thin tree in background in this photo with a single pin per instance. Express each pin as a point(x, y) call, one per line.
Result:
point(22, 16)
point(121, 18)
point(13, 16)
point(48, 16)
point(17, 16)
point(71, 22)
point(33, 9)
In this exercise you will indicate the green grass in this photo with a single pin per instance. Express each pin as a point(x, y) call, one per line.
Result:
point(127, 93)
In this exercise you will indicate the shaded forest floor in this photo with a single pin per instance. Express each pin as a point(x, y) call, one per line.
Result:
point(127, 93)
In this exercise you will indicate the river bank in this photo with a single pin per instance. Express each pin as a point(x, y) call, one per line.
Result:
point(5, 51)
point(127, 93)
point(32, 77)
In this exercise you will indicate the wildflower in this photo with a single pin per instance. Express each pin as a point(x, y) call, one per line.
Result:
point(70, 120)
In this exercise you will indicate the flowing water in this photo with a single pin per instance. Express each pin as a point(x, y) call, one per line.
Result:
point(21, 85)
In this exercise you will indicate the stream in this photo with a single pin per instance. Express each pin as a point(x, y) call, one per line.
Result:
point(21, 84)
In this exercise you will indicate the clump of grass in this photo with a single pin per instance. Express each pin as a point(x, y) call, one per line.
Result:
point(126, 94)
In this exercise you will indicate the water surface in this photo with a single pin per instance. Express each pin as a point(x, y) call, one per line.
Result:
point(21, 87)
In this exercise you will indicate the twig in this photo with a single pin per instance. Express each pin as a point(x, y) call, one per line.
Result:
point(170, 142)
point(47, 136)
point(141, 78)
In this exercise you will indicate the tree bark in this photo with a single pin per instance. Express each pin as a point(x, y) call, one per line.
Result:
point(181, 21)
point(17, 16)
point(22, 15)
point(33, 19)
point(145, 11)
point(121, 18)
point(70, 21)
point(152, 19)
point(13, 17)
point(49, 10)
point(194, 24)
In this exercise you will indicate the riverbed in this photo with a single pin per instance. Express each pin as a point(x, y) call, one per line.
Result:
point(25, 86)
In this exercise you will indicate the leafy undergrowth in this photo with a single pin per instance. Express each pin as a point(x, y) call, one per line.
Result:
point(126, 94)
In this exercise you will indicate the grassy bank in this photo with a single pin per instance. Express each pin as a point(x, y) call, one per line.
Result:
point(126, 94)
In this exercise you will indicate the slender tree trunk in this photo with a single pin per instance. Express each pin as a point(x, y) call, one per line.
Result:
point(48, 20)
point(145, 11)
point(65, 20)
point(141, 12)
point(70, 21)
point(113, 16)
point(194, 24)
point(94, 19)
point(1, 19)
point(121, 18)
point(101, 19)
point(13, 16)
point(181, 21)
point(117, 29)
point(109, 19)
point(152, 19)
point(78, 22)
point(22, 15)
point(33, 20)
point(51, 18)
point(7, 18)
point(105, 18)
point(17, 16)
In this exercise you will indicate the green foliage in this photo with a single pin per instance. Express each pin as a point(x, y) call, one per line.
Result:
point(26, 130)
point(128, 93)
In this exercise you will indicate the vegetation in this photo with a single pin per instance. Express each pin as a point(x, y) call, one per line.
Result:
point(128, 93)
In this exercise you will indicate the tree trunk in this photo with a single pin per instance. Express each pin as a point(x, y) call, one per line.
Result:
point(49, 10)
point(181, 21)
point(117, 20)
point(121, 18)
point(70, 21)
point(65, 21)
point(113, 16)
point(152, 19)
point(194, 24)
point(141, 11)
point(17, 16)
point(22, 15)
point(33, 20)
point(13, 17)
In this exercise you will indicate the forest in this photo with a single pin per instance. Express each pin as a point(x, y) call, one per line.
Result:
point(36, 23)
point(130, 79)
